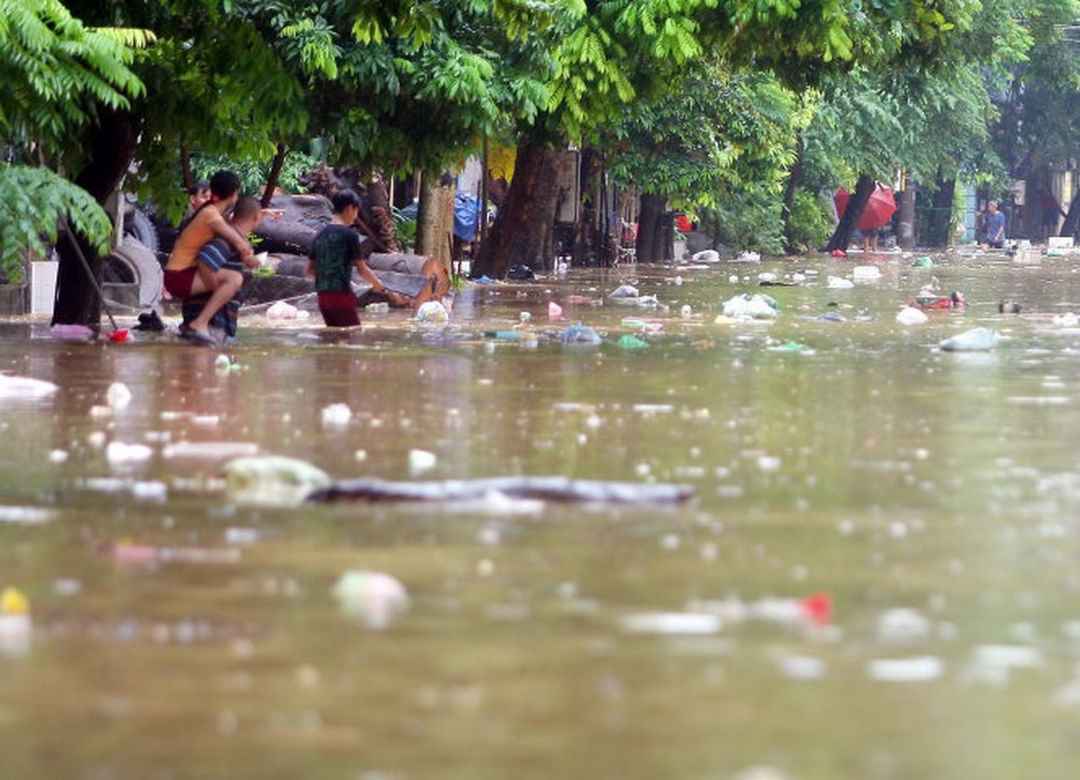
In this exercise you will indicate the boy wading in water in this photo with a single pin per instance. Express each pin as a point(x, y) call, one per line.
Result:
point(186, 276)
point(334, 253)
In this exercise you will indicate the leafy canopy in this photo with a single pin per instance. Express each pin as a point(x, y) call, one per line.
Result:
point(56, 73)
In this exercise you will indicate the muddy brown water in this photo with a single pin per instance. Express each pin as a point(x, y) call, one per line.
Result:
point(876, 470)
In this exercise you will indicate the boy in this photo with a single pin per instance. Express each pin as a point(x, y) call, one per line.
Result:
point(337, 249)
point(219, 259)
point(198, 195)
point(185, 276)
point(995, 226)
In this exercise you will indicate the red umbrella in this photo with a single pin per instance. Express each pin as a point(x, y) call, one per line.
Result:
point(879, 209)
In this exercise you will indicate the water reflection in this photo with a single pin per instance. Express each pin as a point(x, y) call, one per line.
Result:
point(202, 638)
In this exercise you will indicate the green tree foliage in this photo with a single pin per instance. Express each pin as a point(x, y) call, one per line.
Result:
point(33, 204)
point(253, 172)
point(809, 224)
point(55, 71)
point(932, 118)
point(685, 144)
point(1039, 96)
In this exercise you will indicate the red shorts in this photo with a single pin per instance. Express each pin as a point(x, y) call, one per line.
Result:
point(179, 283)
point(339, 309)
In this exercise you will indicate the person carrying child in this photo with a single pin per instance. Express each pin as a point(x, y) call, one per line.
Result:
point(185, 276)
point(338, 249)
point(225, 264)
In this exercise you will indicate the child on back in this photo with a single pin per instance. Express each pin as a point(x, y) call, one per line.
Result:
point(219, 259)
point(185, 276)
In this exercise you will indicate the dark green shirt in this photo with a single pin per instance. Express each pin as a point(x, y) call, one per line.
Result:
point(335, 252)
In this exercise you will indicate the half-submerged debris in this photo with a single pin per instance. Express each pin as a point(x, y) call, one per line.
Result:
point(373, 598)
point(974, 340)
point(557, 489)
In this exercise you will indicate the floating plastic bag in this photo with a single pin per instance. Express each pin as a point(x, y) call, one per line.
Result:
point(433, 313)
point(580, 335)
point(754, 307)
point(909, 315)
point(975, 340)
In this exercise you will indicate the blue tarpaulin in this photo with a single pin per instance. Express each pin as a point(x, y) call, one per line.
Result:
point(466, 216)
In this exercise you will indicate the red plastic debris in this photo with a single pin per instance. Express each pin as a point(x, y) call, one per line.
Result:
point(119, 336)
point(817, 608)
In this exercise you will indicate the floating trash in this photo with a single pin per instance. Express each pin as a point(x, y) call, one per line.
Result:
point(909, 315)
point(754, 307)
point(792, 346)
point(272, 481)
point(336, 416)
point(975, 340)
point(432, 313)
point(801, 667)
point(924, 668)
point(120, 454)
point(209, 450)
point(373, 598)
point(23, 388)
point(902, 625)
point(15, 624)
point(286, 311)
point(25, 515)
point(671, 623)
point(632, 343)
point(580, 335)
point(421, 462)
point(118, 396)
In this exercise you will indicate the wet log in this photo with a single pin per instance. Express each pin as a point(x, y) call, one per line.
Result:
point(418, 278)
point(281, 237)
point(553, 489)
point(266, 289)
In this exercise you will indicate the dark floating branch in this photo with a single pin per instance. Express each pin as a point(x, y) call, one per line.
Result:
point(554, 489)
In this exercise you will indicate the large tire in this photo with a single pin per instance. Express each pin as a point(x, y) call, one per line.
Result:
point(139, 226)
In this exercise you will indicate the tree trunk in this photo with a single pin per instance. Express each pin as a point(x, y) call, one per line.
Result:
point(520, 235)
point(380, 218)
point(793, 180)
point(425, 215)
point(1072, 219)
point(841, 237)
point(186, 174)
point(434, 222)
point(650, 247)
point(907, 217)
point(111, 149)
point(941, 213)
point(275, 174)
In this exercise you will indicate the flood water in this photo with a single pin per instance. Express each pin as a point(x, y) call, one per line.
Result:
point(874, 469)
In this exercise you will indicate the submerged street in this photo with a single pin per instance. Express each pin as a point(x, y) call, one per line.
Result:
point(927, 501)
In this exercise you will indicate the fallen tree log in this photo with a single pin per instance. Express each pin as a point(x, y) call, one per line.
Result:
point(554, 489)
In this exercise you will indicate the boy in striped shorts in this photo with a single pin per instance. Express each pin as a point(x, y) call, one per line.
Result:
point(219, 258)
